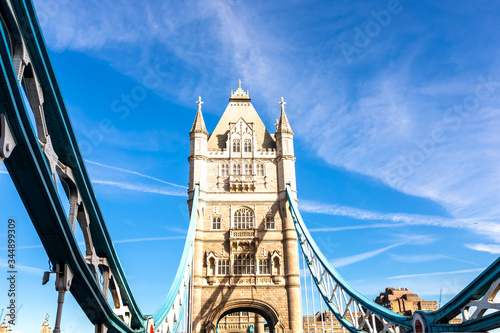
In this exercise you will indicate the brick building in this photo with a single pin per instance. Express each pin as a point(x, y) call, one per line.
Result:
point(403, 301)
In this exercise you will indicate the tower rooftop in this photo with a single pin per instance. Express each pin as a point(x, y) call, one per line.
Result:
point(239, 94)
point(240, 107)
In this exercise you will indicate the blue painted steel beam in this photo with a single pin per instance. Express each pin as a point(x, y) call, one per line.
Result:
point(436, 321)
point(31, 175)
point(362, 299)
point(66, 147)
point(32, 178)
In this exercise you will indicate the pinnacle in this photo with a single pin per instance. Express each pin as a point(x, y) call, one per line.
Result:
point(283, 126)
point(199, 123)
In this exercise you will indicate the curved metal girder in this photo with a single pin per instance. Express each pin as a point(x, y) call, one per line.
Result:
point(34, 177)
point(164, 316)
point(352, 309)
point(476, 302)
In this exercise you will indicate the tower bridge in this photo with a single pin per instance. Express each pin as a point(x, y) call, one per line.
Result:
point(247, 243)
point(245, 247)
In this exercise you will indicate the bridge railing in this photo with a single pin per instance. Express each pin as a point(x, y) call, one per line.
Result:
point(477, 303)
point(175, 307)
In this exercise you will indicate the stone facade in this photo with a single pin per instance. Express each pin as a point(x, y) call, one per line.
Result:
point(404, 301)
point(245, 251)
point(322, 321)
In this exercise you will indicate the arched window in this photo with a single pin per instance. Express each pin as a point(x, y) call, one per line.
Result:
point(270, 225)
point(216, 223)
point(236, 146)
point(237, 169)
point(248, 169)
point(247, 146)
point(243, 219)
point(264, 266)
point(244, 264)
point(260, 169)
point(224, 170)
point(223, 267)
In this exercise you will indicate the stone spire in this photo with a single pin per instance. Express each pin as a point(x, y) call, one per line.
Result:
point(282, 125)
point(199, 123)
point(45, 326)
point(3, 327)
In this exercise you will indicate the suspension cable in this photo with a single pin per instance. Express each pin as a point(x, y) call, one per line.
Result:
point(312, 296)
point(305, 289)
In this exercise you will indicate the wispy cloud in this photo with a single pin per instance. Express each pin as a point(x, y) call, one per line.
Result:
point(150, 239)
point(479, 226)
point(418, 258)
point(369, 122)
point(463, 271)
point(139, 188)
point(407, 239)
point(120, 241)
point(4, 172)
point(340, 262)
point(490, 248)
point(135, 173)
point(22, 268)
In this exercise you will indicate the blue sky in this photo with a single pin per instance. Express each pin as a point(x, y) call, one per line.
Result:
point(394, 105)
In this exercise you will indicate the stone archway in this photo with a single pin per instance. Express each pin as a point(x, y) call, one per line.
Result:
point(251, 305)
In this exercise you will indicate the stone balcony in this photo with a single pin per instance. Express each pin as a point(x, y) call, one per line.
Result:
point(243, 240)
point(243, 233)
point(242, 183)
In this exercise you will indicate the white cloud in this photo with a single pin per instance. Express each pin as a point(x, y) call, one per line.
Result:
point(23, 268)
point(418, 258)
point(340, 262)
point(463, 271)
point(490, 248)
point(135, 173)
point(374, 123)
point(479, 226)
point(148, 239)
point(139, 188)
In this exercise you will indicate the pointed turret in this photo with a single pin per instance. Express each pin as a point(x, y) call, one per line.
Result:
point(283, 124)
point(199, 123)
point(45, 326)
point(285, 154)
point(198, 139)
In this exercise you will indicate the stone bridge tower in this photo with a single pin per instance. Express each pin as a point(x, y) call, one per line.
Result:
point(245, 251)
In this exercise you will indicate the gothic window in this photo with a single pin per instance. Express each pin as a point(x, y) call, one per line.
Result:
point(237, 169)
point(244, 264)
point(224, 170)
point(236, 146)
point(216, 223)
point(223, 268)
point(243, 219)
point(248, 146)
point(248, 169)
point(260, 169)
point(264, 266)
point(270, 225)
